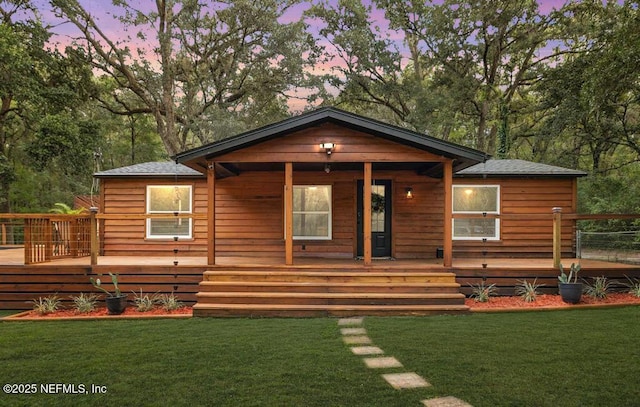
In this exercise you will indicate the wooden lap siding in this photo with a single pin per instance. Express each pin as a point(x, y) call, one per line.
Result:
point(523, 235)
point(126, 237)
point(250, 218)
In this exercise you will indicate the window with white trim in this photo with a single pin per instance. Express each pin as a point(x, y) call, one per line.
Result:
point(476, 211)
point(312, 212)
point(169, 199)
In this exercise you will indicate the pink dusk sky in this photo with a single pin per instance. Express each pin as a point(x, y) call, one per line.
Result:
point(103, 12)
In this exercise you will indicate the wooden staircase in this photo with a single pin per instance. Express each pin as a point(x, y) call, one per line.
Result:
point(305, 292)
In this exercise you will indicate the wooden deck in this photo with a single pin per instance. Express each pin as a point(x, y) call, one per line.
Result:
point(312, 286)
point(14, 257)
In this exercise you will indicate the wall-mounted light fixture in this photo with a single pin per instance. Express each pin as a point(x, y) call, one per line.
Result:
point(327, 168)
point(327, 147)
point(408, 193)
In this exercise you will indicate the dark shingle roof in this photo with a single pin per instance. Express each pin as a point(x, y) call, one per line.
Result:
point(151, 169)
point(517, 168)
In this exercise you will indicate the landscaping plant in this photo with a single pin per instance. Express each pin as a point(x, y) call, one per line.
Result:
point(84, 303)
point(482, 292)
point(573, 274)
point(144, 302)
point(46, 305)
point(528, 291)
point(634, 286)
point(599, 288)
point(114, 279)
point(169, 302)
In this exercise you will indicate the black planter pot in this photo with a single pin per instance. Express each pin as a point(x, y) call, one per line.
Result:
point(116, 305)
point(570, 292)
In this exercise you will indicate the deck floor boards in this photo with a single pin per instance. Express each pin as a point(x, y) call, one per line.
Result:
point(15, 257)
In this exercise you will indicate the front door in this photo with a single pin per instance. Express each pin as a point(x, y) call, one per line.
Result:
point(380, 218)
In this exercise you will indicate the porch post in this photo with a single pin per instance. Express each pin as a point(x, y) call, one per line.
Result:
point(211, 214)
point(366, 219)
point(288, 211)
point(557, 237)
point(447, 246)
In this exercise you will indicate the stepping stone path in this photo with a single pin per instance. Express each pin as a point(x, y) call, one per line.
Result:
point(356, 334)
point(446, 402)
point(366, 350)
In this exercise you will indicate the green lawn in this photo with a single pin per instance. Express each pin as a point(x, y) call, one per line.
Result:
point(568, 358)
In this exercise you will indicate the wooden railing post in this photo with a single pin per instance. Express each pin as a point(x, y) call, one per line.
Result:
point(28, 243)
point(94, 236)
point(48, 239)
point(74, 229)
point(557, 236)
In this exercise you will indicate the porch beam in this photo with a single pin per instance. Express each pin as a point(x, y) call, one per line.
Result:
point(288, 210)
point(366, 220)
point(447, 245)
point(211, 214)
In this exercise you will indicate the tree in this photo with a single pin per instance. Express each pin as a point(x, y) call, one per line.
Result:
point(21, 58)
point(593, 98)
point(228, 59)
point(465, 66)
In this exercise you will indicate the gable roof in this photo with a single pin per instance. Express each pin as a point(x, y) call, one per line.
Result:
point(517, 168)
point(151, 169)
point(464, 156)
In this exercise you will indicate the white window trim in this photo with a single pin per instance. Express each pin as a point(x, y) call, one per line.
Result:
point(329, 213)
point(493, 214)
point(148, 234)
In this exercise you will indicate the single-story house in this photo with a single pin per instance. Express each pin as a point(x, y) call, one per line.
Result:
point(332, 213)
point(332, 184)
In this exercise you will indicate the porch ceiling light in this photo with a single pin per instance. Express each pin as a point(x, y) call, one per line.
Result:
point(327, 147)
point(408, 192)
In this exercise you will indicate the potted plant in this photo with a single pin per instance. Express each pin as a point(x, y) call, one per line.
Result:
point(116, 301)
point(569, 287)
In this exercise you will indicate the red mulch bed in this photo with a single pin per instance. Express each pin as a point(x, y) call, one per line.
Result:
point(101, 313)
point(550, 301)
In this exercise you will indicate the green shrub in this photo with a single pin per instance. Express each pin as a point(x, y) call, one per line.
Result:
point(169, 302)
point(144, 302)
point(634, 286)
point(599, 288)
point(528, 291)
point(46, 305)
point(84, 303)
point(482, 292)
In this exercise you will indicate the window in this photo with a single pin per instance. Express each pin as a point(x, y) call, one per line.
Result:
point(476, 209)
point(312, 212)
point(169, 199)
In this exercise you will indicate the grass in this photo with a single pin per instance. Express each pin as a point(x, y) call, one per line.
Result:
point(563, 358)
point(568, 358)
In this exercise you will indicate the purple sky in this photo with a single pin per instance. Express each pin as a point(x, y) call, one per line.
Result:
point(103, 10)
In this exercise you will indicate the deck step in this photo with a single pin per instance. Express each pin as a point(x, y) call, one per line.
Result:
point(336, 287)
point(309, 310)
point(318, 298)
point(334, 276)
